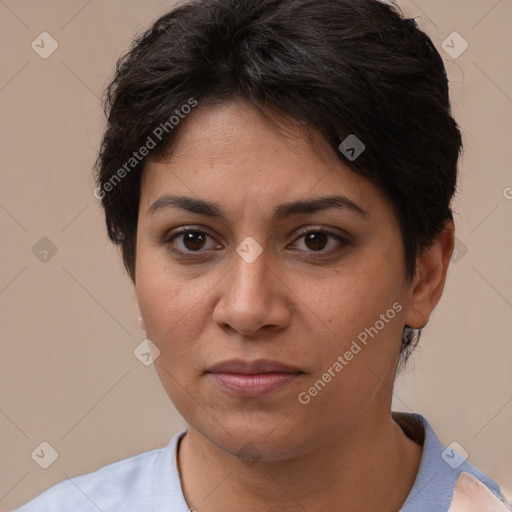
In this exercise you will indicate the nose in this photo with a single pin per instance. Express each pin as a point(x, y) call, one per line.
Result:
point(253, 299)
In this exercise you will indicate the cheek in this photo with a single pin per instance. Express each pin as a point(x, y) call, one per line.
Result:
point(355, 364)
point(348, 301)
point(361, 317)
point(172, 313)
point(167, 301)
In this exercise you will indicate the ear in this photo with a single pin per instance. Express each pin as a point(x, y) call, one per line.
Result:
point(138, 314)
point(427, 285)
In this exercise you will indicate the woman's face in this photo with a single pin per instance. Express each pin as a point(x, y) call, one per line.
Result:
point(253, 266)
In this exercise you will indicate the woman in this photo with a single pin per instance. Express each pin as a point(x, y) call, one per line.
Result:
point(278, 175)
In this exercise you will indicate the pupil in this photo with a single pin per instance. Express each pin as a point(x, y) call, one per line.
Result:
point(193, 241)
point(316, 241)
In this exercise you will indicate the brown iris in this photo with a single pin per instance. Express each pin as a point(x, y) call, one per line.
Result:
point(194, 240)
point(316, 241)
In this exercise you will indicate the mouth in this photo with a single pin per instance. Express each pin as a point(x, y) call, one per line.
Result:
point(253, 378)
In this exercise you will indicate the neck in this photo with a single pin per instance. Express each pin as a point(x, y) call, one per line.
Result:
point(371, 464)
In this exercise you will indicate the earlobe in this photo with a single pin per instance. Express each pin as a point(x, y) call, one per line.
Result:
point(139, 314)
point(427, 286)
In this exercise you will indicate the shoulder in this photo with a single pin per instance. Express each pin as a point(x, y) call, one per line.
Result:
point(445, 478)
point(124, 485)
point(471, 495)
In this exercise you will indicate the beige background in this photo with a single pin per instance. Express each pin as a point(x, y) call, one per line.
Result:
point(68, 375)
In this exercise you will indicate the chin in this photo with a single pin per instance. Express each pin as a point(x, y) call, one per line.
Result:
point(256, 441)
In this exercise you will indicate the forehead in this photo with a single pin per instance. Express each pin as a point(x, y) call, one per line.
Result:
point(234, 154)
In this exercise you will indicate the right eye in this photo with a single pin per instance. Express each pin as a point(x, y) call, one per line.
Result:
point(187, 240)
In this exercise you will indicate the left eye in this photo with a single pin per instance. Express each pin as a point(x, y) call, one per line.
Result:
point(318, 240)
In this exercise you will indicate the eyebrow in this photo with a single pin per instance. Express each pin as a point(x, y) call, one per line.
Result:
point(282, 212)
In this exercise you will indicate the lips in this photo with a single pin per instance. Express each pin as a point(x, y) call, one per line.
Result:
point(255, 367)
point(253, 378)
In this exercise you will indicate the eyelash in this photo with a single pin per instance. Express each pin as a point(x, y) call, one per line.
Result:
point(344, 241)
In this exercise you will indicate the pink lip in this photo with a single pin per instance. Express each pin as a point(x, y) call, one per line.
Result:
point(252, 367)
point(253, 385)
point(252, 378)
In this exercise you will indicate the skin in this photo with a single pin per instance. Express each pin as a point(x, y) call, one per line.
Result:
point(298, 303)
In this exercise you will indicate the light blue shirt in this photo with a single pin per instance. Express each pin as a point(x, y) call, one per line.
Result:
point(150, 482)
